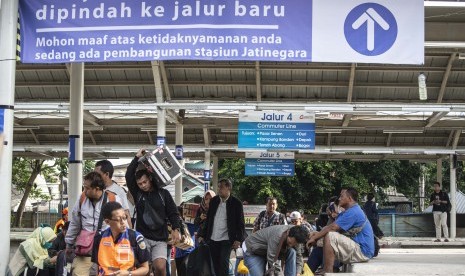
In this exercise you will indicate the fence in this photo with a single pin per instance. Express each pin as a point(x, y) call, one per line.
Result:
point(412, 225)
point(47, 214)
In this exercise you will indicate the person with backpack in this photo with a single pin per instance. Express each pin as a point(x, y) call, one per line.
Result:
point(119, 250)
point(270, 216)
point(86, 222)
point(154, 208)
point(440, 201)
point(372, 214)
point(105, 169)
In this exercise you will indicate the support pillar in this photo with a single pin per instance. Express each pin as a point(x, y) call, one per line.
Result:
point(439, 170)
point(161, 126)
point(8, 28)
point(206, 171)
point(453, 188)
point(215, 179)
point(76, 125)
point(179, 155)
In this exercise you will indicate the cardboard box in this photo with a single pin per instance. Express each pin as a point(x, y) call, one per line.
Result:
point(189, 211)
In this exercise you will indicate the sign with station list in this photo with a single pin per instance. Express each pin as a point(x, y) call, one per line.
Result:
point(276, 130)
point(269, 163)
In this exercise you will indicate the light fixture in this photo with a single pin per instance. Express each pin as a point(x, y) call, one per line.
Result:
point(387, 131)
point(153, 129)
point(377, 151)
point(89, 128)
point(329, 130)
point(229, 130)
point(23, 128)
point(422, 87)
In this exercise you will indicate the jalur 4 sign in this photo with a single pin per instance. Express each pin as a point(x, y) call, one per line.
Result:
point(276, 130)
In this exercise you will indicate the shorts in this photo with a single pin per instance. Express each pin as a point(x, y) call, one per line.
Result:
point(345, 249)
point(157, 249)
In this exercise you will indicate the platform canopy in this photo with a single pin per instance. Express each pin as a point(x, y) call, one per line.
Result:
point(363, 111)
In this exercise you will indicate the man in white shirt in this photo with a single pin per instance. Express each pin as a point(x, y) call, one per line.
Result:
point(105, 169)
point(225, 228)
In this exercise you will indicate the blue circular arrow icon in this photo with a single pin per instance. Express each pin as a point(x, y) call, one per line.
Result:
point(370, 29)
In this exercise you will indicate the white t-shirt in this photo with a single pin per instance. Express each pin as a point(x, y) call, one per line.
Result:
point(121, 193)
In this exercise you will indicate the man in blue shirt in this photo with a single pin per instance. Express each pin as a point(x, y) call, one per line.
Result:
point(357, 242)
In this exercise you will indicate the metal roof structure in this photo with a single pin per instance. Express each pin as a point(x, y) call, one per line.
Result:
point(363, 111)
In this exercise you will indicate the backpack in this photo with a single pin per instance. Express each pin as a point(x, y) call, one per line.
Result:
point(448, 206)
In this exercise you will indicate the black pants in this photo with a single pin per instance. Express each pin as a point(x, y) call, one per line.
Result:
point(374, 224)
point(181, 265)
point(221, 252)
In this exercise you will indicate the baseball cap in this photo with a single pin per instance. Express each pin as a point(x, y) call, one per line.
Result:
point(295, 215)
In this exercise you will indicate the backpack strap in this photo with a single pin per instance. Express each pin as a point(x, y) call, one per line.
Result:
point(82, 199)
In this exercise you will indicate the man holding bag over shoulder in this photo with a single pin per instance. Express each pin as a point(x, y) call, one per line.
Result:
point(154, 206)
point(86, 222)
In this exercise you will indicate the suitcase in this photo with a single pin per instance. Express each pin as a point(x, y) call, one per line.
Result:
point(163, 164)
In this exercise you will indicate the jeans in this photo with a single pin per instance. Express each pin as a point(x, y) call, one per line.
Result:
point(315, 260)
point(256, 264)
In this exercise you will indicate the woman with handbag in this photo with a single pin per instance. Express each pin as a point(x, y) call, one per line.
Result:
point(32, 257)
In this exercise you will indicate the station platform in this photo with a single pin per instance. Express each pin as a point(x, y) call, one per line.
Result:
point(412, 261)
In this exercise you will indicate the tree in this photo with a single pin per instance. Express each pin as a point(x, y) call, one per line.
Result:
point(315, 182)
point(25, 171)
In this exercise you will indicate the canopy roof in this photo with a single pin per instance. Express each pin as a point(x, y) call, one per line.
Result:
point(363, 111)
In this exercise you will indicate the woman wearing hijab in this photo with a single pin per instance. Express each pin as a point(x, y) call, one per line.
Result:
point(32, 257)
point(201, 215)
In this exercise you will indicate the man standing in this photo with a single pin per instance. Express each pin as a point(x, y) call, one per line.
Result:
point(284, 240)
point(154, 207)
point(270, 216)
point(440, 200)
point(85, 219)
point(372, 214)
point(105, 169)
point(360, 247)
point(224, 227)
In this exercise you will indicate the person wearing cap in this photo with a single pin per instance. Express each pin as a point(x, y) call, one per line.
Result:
point(269, 216)
point(295, 218)
point(61, 222)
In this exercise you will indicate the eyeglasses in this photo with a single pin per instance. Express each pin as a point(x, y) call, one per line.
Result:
point(121, 219)
point(294, 221)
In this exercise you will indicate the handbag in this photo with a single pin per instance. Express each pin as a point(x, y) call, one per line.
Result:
point(200, 262)
point(275, 269)
point(85, 239)
point(84, 242)
point(186, 241)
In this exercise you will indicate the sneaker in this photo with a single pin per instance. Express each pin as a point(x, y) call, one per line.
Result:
point(437, 240)
point(446, 240)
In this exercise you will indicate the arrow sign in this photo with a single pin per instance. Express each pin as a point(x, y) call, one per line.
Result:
point(370, 16)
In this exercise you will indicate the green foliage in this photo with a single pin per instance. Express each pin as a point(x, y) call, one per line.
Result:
point(21, 172)
point(316, 181)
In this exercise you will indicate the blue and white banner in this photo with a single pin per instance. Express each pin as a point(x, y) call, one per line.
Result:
point(388, 31)
point(276, 130)
point(379, 31)
point(114, 30)
point(269, 163)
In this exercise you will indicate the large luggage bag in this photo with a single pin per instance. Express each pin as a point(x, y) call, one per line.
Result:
point(163, 164)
